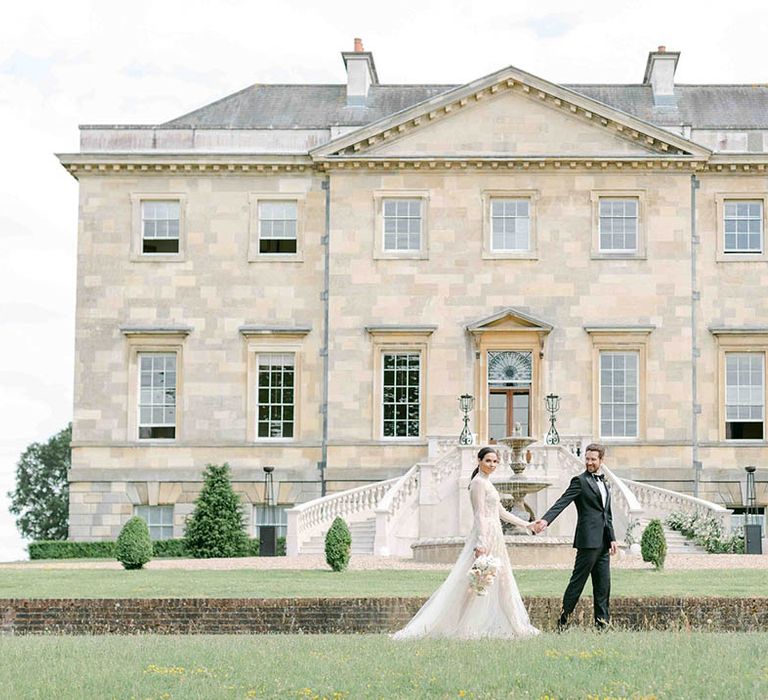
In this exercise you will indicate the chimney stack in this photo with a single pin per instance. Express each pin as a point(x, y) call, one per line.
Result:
point(660, 75)
point(361, 74)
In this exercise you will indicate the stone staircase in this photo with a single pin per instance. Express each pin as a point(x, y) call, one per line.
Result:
point(677, 543)
point(363, 534)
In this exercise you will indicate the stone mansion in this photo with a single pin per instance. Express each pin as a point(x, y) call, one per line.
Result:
point(309, 276)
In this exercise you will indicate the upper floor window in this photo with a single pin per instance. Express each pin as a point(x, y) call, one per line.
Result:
point(402, 224)
point(159, 519)
point(157, 396)
point(618, 225)
point(510, 225)
point(277, 227)
point(160, 226)
point(275, 395)
point(744, 395)
point(619, 395)
point(401, 394)
point(743, 226)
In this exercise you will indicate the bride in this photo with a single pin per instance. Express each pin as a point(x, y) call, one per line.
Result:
point(455, 610)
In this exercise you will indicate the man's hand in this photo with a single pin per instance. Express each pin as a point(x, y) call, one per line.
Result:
point(539, 526)
point(614, 548)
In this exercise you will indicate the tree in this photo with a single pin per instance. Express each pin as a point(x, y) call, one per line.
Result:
point(133, 548)
point(216, 527)
point(41, 498)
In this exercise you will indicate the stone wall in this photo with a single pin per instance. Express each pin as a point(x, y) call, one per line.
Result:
point(343, 615)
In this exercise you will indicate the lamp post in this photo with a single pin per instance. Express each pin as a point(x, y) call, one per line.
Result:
point(268, 531)
point(752, 529)
point(466, 403)
point(553, 406)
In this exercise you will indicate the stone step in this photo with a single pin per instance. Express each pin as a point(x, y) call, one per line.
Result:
point(363, 534)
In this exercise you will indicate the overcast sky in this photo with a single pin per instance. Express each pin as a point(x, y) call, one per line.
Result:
point(101, 62)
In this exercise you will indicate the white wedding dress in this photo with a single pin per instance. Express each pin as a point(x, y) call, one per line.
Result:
point(454, 610)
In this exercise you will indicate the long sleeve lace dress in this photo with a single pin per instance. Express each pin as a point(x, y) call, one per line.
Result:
point(454, 610)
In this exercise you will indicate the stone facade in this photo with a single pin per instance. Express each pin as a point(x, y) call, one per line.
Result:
point(677, 301)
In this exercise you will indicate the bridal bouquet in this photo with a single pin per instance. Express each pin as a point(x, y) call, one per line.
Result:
point(482, 574)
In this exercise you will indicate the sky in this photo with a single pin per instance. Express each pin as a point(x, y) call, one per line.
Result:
point(104, 62)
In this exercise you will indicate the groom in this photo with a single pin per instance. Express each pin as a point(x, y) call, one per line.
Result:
point(594, 538)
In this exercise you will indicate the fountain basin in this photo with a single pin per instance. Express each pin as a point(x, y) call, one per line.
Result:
point(523, 550)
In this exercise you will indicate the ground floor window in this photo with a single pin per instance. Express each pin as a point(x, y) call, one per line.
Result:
point(157, 396)
point(276, 399)
point(619, 377)
point(401, 394)
point(159, 520)
point(744, 395)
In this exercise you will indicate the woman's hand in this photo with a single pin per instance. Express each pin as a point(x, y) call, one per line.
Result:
point(479, 551)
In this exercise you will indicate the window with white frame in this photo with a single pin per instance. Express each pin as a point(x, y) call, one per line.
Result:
point(159, 519)
point(510, 224)
point(276, 399)
point(277, 227)
point(744, 395)
point(157, 396)
point(743, 226)
point(160, 225)
point(401, 394)
point(618, 225)
point(402, 224)
point(619, 395)
point(271, 515)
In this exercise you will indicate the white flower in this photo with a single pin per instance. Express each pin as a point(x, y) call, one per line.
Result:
point(483, 573)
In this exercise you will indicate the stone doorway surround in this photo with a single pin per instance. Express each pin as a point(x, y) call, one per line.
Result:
point(510, 329)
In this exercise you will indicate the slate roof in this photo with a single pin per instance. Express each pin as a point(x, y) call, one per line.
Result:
point(303, 107)
point(702, 106)
point(321, 106)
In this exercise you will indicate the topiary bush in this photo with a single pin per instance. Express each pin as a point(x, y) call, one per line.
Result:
point(133, 548)
point(216, 527)
point(338, 545)
point(653, 544)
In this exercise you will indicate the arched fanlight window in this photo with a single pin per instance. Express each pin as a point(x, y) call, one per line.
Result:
point(509, 368)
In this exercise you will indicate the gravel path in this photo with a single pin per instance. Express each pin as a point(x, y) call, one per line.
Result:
point(365, 562)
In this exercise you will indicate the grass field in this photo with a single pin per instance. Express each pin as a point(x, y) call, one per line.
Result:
point(573, 665)
point(171, 583)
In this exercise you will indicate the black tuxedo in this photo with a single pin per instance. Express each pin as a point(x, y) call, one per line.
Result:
point(594, 534)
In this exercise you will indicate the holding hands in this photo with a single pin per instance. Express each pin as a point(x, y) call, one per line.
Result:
point(538, 526)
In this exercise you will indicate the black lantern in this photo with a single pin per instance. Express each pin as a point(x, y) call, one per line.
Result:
point(466, 403)
point(753, 534)
point(553, 406)
point(268, 531)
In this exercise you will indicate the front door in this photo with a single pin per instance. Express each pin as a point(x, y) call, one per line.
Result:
point(509, 388)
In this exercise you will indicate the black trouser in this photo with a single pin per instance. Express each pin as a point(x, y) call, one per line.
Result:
point(597, 563)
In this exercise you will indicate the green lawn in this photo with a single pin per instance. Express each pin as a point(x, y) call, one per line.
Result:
point(169, 583)
point(577, 664)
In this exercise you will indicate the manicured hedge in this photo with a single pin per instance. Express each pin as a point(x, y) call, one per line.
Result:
point(65, 549)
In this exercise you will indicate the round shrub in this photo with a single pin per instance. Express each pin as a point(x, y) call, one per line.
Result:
point(338, 545)
point(216, 527)
point(133, 548)
point(653, 544)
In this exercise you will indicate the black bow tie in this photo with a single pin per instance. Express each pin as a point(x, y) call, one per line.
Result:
point(599, 477)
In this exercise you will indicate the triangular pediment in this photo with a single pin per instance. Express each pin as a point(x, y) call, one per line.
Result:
point(510, 319)
point(509, 114)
